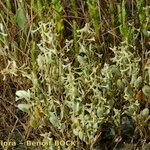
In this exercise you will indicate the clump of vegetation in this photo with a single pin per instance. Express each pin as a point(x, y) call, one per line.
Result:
point(78, 70)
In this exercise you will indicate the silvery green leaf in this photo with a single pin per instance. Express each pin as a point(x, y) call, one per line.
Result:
point(81, 60)
point(133, 108)
point(76, 107)
point(76, 131)
point(129, 93)
point(146, 90)
point(115, 71)
point(54, 120)
point(24, 107)
point(81, 135)
point(23, 94)
point(125, 81)
point(138, 82)
point(144, 113)
point(120, 84)
point(146, 33)
point(21, 18)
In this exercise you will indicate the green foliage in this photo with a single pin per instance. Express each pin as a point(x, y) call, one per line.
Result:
point(125, 28)
point(24, 107)
point(94, 14)
point(21, 18)
point(72, 87)
point(146, 90)
point(58, 10)
point(144, 113)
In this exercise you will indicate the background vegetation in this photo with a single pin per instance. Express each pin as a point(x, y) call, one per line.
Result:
point(75, 70)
